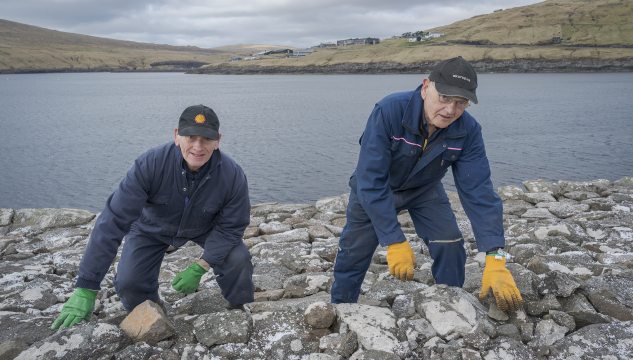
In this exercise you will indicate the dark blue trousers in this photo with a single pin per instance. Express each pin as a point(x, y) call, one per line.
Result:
point(434, 223)
point(136, 279)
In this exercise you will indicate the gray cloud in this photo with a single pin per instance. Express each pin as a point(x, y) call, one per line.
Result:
point(216, 23)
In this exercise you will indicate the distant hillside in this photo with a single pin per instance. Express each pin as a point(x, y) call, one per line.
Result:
point(554, 35)
point(576, 22)
point(26, 48)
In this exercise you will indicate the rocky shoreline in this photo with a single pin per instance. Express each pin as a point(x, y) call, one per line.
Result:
point(569, 247)
point(481, 66)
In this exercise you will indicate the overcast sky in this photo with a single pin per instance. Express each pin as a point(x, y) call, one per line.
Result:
point(211, 23)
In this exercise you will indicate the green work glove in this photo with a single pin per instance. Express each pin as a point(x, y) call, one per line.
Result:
point(78, 307)
point(187, 281)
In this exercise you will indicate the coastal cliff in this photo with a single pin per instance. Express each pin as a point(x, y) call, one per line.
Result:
point(569, 247)
point(481, 66)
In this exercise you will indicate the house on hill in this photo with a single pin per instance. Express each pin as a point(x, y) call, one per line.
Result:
point(302, 52)
point(363, 41)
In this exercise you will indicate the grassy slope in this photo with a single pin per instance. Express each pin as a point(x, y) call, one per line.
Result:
point(26, 47)
point(578, 22)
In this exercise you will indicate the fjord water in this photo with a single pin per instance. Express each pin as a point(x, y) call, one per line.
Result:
point(66, 140)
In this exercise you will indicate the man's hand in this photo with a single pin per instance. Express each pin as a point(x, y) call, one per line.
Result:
point(78, 307)
point(497, 277)
point(187, 281)
point(401, 261)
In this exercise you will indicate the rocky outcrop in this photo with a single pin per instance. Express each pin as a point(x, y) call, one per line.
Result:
point(569, 246)
point(486, 65)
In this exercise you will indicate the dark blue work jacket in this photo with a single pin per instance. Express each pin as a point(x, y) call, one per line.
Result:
point(393, 165)
point(153, 197)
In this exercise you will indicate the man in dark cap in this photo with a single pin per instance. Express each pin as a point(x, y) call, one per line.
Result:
point(410, 140)
point(183, 191)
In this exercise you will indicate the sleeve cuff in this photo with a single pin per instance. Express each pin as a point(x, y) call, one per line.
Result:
point(393, 238)
point(488, 243)
point(87, 284)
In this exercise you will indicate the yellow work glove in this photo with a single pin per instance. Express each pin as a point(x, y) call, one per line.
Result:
point(401, 261)
point(497, 277)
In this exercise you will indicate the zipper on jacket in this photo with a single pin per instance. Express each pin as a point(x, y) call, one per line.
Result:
point(426, 151)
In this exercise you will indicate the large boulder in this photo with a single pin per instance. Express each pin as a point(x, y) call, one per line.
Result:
point(375, 326)
point(223, 327)
point(90, 341)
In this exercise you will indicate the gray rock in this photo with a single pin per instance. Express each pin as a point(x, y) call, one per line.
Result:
point(526, 281)
point(269, 276)
point(516, 207)
point(601, 341)
point(202, 302)
point(273, 227)
point(140, 351)
point(563, 319)
point(477, 339)
point(224, 327)
point(581, 195)
point(343, 345)
point(416, 332)
point(89, 341)
point(30, 328)
point(542, 186)
point(6, 216)
point(547, 332)
point(599, 204)
point(510, 192)
point(183, 325)
point(606, 303)
point(334, 204)
point(10, 349)
point(527, 332)
point(591, 186)
point(288, 236)
point(387, 290)
point(564, 211)
point(318, 232)
point(508, 348)
point(538, 214)
point(374, 326)
point(320, 315)
point(626, 181)
point(620, 287)
point(270, 326)
point(403, 306)
point(38, 220)
point(534, 198)
point(374, 355)
point(452, 310)
point(509, 330)
point(558, 284)
point(265, 209)
point(291, 346)
point(327, 250)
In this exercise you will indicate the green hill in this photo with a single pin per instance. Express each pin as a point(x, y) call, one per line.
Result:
point(554, 35)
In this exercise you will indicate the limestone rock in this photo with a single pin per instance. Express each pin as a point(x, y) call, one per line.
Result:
point(511, 192)
point(79, 342)
point(39, 220)
point(231, 326)
point(601, 341)
point(288, 236)
point(374, 326)
point(320, 315)
point(535, 198)
point(147, 323)
point(273, 227)
point(606, 303)
point(335, 204)
point(508, 348)
point(559, 284)
point(10, 349)
point(343, 345)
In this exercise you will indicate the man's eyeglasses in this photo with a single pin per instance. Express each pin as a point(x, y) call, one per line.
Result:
point(459, 103)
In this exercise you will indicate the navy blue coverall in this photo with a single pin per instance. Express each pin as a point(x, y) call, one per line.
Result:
point(397, 171)
point(154, 208)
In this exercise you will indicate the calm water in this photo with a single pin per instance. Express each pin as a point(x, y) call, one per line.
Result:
point(66, 140)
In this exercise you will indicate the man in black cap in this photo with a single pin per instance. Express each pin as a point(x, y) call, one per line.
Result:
point(410, 140)
point(183, 191)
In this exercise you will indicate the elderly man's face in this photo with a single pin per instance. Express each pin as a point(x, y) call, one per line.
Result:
point(196, 150)
point(437, 113)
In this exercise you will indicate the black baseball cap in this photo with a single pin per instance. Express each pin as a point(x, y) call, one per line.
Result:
point(455, 77)
point(199, 120)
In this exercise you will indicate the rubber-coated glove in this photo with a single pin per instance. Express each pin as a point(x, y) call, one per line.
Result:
point(497, 277)
point(187, 281)
point(401, 261)
point(78, 307)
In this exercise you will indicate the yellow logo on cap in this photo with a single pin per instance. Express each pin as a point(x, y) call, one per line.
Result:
point(200, 119)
